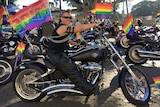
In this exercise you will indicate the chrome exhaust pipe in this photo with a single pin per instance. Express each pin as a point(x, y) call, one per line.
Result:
point(64, 90)
point(148, 54)
point(58, 86)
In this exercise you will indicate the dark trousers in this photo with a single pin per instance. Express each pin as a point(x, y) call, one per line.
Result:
point(64, 63)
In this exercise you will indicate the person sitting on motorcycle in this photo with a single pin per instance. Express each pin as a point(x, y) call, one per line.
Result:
point(55, 52)
point(138, 25)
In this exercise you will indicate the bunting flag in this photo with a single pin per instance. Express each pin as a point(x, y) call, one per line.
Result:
point(103, 11)
point(19, 50)
point(157, 81)
point(128, 26)
point(31, 16)
point(3, 15)
point(158, 15)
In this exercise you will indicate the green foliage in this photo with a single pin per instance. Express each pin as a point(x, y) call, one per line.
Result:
point(145, 8)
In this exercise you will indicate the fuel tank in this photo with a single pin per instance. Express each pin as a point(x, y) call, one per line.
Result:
point(93, 54)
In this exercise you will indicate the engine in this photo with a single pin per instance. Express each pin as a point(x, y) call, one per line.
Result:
point(91, 71)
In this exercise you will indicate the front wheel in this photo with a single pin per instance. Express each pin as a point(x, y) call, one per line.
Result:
point(137, 93)
point(25, 88)
point(6, 71)
point(124, 42)
point(133, 55)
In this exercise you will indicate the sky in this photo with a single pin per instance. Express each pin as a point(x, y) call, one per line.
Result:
point(64, 6)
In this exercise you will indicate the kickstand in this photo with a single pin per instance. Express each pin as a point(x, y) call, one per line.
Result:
point(86, 99)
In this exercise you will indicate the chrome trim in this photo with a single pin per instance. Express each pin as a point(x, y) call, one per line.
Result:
point(64, 90)
point(53, 87)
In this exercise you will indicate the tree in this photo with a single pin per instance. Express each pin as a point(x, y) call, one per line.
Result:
point(144, 8)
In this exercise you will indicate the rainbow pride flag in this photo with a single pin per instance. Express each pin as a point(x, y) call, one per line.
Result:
point(103, 11)
point(30, 17)
point(3, 14)
point(19, 50)
point(158, 15)
point(128, 26)
point(157, 81)
point(79, 35)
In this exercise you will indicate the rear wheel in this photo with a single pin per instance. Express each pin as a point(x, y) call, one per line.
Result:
point(136, 92)
point(23, 87)
point(133, 55)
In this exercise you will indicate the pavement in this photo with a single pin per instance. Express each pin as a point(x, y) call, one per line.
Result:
point(112, 95)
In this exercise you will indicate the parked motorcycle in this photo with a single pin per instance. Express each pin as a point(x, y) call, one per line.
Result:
point(144, 49)
point(153, 32)
point(36, 80)
point(8, 62)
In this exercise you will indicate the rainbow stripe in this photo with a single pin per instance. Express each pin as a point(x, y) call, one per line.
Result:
point(103, 11)
point(19, 50)
point(78, 35)
point(31, 16)
point(3, 12)
point(128, 26)
point(158, 14)
point(157, 81)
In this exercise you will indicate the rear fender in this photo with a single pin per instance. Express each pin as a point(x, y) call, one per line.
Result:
point(26, 64)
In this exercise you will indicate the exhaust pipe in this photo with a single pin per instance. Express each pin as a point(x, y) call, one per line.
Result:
point(58, 86)
point(61, 88)
point(64, 90)
point(148, 54)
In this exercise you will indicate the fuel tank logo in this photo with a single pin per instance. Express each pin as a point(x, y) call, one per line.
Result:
point(94, 55)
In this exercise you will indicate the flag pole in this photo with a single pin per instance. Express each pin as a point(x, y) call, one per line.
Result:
point(6, 2)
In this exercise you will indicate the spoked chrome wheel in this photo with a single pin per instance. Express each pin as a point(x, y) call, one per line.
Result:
point(24, 86)
point(137, 92)
point(5, 71)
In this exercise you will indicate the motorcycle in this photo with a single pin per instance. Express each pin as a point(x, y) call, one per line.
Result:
point(144, 49)
point(153, 32)
point(8, 61)
point(10, 43)
point(35, 80)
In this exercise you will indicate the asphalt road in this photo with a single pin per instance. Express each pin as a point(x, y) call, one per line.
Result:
point(112, 95)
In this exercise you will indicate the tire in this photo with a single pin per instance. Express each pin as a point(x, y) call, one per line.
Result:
point(31, 53)
point(6, 71)
point(124, 42)
point(26, 92)
point(136, 93)
point(133, 55)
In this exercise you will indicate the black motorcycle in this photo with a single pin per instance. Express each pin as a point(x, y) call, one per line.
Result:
point(8, 63)
point(36, 79)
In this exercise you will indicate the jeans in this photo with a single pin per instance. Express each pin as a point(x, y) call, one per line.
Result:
point(68, 67)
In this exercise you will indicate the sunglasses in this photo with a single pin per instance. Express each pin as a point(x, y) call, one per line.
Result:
point(67, 17)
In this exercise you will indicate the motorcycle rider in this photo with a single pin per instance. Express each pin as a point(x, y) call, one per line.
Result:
point(57, 44)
